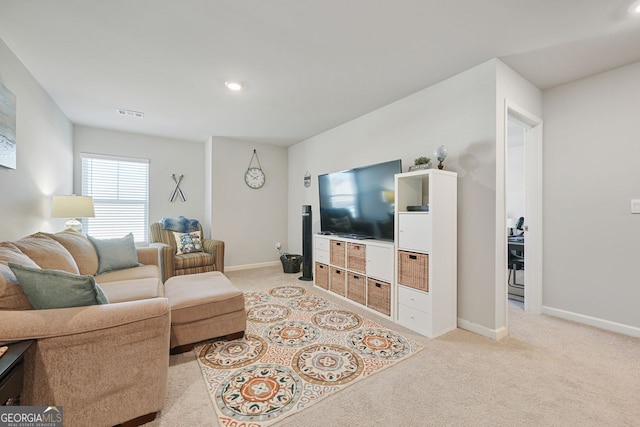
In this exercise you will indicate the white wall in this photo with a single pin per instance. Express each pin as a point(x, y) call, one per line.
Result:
point(592, 242)
point(44, 155)
point(249, 221)
point(166, 156)
point(459, 113)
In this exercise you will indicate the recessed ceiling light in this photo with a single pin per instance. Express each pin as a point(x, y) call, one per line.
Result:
point(234, 85)
point(130, 113)
point(635, 7)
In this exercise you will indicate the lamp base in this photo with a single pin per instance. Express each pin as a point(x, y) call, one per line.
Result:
point(73, 224)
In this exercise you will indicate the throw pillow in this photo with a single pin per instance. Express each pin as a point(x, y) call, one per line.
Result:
point(188, 243)
point(47, 289)
point(115, 254)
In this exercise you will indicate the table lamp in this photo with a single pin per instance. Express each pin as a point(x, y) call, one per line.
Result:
point(72, 207)
point(511, 224)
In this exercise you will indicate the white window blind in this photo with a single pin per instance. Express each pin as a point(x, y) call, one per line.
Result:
point(120, 190)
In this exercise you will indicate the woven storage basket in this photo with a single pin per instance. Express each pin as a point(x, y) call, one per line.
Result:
point(337, 281)
point(322, 275)
point(379, 296)
point(413, 270)
point(356, 288)
point(337, 252)
point(291, 263)
point(356, 257)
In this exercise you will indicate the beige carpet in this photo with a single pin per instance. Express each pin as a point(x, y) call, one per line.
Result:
point(548, 372)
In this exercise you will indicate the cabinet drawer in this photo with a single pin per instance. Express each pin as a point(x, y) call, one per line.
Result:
point(322, 244)
point(414, 231)
point(379, 296)
point(414, 319)
point(337, 282)
point(322, 256)
point(338, 253)
point(356, 288)
point(356, 257)
point(415, 299)
point(322, 275)
point(413, 270)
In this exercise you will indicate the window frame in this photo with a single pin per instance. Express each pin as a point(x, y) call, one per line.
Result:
point(102, 202)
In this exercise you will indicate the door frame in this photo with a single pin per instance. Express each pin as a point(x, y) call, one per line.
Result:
point(533, 205)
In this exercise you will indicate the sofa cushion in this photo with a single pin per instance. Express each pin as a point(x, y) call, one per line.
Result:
point(80, 248)
point(11, 253)
point(131, 290)
point(48, 289)
point(47, 253)
point(115, 254)
point(141, 272)
point(194, 260)
point(11, 295)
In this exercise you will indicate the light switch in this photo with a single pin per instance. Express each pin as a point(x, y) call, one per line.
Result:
point(635, 206)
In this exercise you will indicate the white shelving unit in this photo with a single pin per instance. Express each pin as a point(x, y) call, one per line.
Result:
point(426, 251)
point(359, 270)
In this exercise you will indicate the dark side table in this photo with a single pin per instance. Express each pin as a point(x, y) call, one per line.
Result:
point(12, 372)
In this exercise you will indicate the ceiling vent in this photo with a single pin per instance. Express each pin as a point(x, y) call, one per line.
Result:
point(130, 113)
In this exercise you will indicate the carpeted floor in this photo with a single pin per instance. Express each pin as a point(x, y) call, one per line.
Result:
point(548, 372)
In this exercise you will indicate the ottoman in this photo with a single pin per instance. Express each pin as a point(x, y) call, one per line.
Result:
point(204, 306)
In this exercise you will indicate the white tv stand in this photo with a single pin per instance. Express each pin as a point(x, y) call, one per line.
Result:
point(360, 270)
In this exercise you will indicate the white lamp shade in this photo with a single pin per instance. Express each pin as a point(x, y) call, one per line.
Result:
point(511, 223)
point(72, 207)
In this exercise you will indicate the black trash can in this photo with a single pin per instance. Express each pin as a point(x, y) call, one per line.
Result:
point(291, 263)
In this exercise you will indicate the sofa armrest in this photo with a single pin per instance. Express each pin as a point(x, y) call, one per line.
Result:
point(94, 361)
point(167, 259)
point(37, 324)
point(148, 255)
point(215, 248)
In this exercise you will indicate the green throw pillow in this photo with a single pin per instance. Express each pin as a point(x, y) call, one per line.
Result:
point(57, 289)
point(115, 254)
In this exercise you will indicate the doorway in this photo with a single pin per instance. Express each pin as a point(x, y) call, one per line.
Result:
point(515, 197)
point(524, 200)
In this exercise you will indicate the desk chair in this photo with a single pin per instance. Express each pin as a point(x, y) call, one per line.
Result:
point(516, 262)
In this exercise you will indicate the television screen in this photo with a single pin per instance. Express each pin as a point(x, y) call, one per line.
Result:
point(359, 203)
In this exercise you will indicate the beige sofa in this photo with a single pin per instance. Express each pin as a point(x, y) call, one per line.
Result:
point(105, 364)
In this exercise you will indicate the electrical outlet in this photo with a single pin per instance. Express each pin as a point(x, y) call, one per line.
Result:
point(278, 246)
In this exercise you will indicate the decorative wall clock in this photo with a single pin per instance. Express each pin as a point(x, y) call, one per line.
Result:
point(254, 176)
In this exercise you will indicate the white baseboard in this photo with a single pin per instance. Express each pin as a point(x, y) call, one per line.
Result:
point(494, 334)
point(593, 321)
point(250, 266)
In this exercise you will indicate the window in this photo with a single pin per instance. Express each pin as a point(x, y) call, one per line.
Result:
point(120, 190)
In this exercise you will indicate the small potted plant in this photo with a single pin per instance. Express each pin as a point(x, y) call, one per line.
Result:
point(421, 162)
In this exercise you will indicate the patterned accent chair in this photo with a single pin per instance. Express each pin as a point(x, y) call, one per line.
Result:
point(173, 264)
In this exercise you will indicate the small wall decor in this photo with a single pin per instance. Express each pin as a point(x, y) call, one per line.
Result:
point(7, 128)
point(177, 191)
point(254, 176)
point(307, 180)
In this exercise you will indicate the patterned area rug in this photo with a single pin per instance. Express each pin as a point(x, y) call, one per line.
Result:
point(298, 349)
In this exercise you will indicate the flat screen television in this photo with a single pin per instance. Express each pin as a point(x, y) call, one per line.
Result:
point(359, 203)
